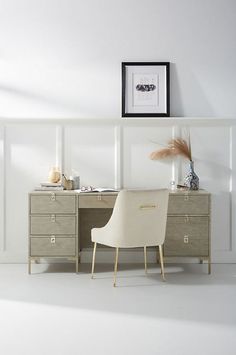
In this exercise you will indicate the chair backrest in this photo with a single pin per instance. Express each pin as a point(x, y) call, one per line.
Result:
point(139, 218)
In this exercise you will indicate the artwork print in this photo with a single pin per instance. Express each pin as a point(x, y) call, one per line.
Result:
point(145, 90)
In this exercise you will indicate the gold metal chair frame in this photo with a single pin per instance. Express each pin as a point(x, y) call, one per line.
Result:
point(116, 262)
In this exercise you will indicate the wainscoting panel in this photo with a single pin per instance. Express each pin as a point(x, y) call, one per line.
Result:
point(30, 152)
point(139, 171)
point(233, 189)
point(211, 154)
point(2, 189)
point(114, 153)
point(90, 154)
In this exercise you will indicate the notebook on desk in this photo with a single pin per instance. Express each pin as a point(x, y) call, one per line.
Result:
point(90, 189)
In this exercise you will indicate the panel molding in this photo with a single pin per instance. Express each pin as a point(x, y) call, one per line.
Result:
point(118, 161)
point(3, 188)
point(220, 256)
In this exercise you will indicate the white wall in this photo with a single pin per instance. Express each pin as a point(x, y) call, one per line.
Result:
point(62, 58)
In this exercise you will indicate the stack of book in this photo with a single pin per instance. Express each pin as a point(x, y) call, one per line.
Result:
point(49, 186)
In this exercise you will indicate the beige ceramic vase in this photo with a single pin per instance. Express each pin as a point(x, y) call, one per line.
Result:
point(54, 175)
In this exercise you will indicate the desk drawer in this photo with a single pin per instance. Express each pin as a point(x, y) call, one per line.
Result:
point(52, 246)
point(178, 247)
point(52, 203)
point(187, 236)
point(97, 201)
point(188, 204)
point(52, 224)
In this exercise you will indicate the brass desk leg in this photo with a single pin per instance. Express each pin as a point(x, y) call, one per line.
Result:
point(209, 266)
point(145, 259)
point(76, 265)
point(29, 265)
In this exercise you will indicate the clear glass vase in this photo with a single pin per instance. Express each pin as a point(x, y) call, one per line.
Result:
point(191, 179)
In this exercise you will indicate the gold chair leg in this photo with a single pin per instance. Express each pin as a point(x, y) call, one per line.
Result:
point(115, 268)
point(161, 262)
point(145, 259)
point(94, 253)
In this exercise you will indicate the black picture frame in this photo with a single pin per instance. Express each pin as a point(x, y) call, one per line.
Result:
point(145, 89)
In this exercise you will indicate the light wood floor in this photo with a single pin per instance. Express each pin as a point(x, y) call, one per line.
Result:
point(54, 311)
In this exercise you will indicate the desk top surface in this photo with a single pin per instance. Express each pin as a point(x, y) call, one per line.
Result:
point(76, 192)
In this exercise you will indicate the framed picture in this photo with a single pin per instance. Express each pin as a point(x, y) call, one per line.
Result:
point(145, 89)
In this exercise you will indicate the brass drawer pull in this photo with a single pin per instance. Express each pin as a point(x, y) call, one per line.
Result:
point(147, 207)
point(186, 239)
point(186, 219)
point(99, 197)
point(53, 196)
point(53, 240)
point(186, 198)
point(53, 218)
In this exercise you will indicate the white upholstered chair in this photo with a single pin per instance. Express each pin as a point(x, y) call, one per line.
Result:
point(138, 220)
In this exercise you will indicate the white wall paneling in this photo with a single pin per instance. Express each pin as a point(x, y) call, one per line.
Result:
point(2, 189)
point(114, 153)
point(139, 170)
point(30, 151)
point(233, 188)
point(90, 153)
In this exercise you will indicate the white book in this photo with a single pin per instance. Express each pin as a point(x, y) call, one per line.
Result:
point(97, 189)
point(51, 184)
point(49, 188)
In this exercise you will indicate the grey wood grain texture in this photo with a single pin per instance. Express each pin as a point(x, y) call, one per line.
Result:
point(52, 203)
point(194, 247)
point(63, 246)
point(185, 218)
point(52, 224)
point(97, 201)
point(187, 237)
point(188, 204)
point(90, 218)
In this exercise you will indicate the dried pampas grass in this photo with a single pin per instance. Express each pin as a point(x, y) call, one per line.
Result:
point(176, 146)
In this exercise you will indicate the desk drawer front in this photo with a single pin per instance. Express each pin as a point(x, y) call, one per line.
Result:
point(52, 246)
point(178, 247)
point(187, 236)
point(97, 201)
point(53, 203)
point(188, 204)
point(53, 224)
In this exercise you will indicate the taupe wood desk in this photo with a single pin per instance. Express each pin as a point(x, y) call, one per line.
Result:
point(60, 223)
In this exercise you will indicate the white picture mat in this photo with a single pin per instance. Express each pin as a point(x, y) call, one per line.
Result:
point(146, 102)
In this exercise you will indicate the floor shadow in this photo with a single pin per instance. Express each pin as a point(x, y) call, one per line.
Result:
point(189, 293)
